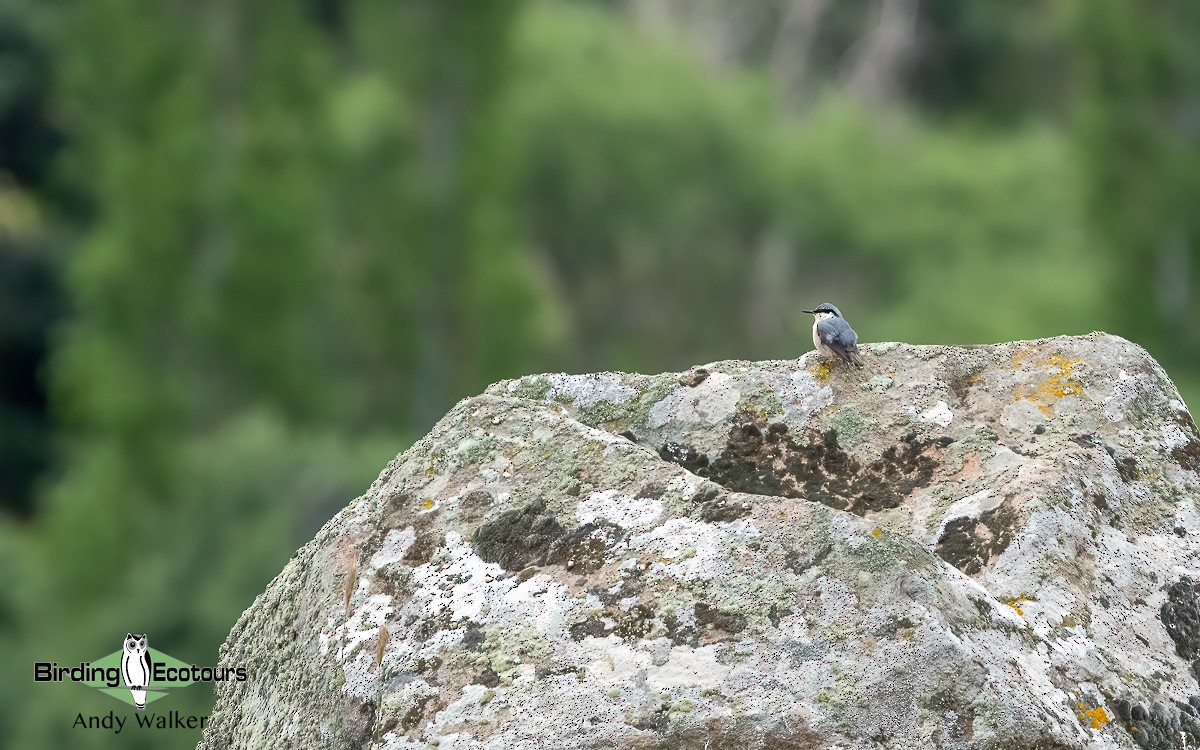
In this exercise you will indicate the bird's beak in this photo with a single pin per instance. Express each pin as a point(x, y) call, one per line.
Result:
point(810, 312)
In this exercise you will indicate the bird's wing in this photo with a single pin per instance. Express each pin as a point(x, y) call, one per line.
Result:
point(837, 334)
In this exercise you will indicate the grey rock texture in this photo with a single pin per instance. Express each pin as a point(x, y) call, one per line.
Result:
point(958, 547)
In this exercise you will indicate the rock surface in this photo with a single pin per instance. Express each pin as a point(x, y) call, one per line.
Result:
point(979, 547)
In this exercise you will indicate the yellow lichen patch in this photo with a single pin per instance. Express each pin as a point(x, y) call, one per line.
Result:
point(1019, 357)
point(1015, 603)
point(1098, 715)
point(757, 411)
point(427, 503)
point(877, 532)
point(821, 371)
point(1061, 381)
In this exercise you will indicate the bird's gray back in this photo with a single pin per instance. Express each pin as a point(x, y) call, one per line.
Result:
point(837, 331)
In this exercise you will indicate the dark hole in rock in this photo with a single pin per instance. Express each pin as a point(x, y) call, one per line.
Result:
point(473, 637)
point(593, 628)
point(518, 538)
point(1157, 726)
point(730, 622)
point(476, 503)
point(968, 543)
point(358, 718)
point(414, 715)
point(488, 677)
point(686, 456)
point(428, 669)
point(1127, 466)
point(693, 377)
point(777, 613)
point(714, 506)
point(636, 623)
point(680, 634)
point(651, 490)
point(765, 459)
point(422, 549)
point(1184, 420)
point(584, 549)
point(799, 561)
point(1188, 455)
point(1181, 617)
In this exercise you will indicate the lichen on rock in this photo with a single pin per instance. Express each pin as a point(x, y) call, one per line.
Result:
point(981, 547)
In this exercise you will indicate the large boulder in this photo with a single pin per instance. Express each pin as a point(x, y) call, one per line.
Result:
point(957, 547)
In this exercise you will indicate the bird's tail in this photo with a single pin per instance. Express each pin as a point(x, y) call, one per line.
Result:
point(857, 360)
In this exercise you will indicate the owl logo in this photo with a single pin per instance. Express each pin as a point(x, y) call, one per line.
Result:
point(135, 667)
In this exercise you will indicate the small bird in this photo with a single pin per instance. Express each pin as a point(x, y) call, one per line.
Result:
point(833, 336)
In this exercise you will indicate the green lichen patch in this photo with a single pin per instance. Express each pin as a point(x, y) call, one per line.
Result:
point(476, 451)
point(605, 414)
point(764, 405)
point(504, 649)
point(532, 387)
point(873, 557)
point(849, 425)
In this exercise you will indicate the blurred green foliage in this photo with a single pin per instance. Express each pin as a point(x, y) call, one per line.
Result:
point(249, 251)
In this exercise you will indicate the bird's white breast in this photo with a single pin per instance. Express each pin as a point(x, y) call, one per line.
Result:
point(820, 345)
